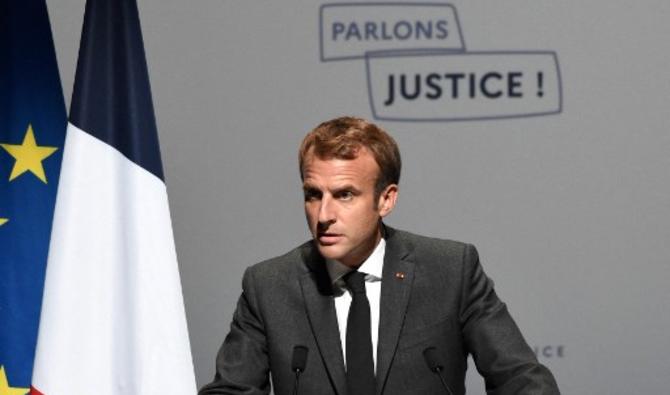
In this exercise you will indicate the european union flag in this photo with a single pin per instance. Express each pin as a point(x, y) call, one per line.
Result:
point(32, 132)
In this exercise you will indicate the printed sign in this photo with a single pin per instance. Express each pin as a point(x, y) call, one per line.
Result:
point(418, 67)
point(459, 86)
point(349, 30)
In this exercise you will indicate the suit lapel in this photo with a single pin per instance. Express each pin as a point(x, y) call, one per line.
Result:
point(318, 295)
point(397, 278)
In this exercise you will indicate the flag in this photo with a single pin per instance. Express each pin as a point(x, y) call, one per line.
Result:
point(32, 131)
point(113, 320)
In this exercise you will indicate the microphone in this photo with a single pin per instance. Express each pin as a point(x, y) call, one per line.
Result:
point(298, 364)
point(436, 366)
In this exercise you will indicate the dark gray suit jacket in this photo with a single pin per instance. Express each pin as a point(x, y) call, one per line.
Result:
point(444, 301)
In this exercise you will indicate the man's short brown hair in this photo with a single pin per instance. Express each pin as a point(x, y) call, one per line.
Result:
point(342, 138)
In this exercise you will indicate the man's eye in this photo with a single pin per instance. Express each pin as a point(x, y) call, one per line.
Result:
point(345, 195)
point(311, 196)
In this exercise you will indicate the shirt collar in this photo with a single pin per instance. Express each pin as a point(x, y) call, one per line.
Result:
point(372, 266)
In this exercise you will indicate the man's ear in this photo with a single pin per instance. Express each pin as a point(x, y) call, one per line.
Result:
point(387, 200)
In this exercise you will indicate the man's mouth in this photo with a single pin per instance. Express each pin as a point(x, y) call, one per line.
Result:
point(326, 238)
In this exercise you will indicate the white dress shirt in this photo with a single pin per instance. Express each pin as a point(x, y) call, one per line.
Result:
point(372, 267)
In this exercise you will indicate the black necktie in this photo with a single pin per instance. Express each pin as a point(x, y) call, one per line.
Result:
point(360, 367)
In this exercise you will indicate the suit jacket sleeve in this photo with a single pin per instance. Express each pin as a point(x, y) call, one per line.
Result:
point(500, 352)
point(242, 365)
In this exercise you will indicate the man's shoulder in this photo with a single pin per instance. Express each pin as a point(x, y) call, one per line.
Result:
point(434, 258)
point(426, 245)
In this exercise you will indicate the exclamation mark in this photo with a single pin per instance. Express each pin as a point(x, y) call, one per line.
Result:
point(540, 83)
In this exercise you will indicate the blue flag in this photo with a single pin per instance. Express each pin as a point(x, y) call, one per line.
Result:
point(32, 132)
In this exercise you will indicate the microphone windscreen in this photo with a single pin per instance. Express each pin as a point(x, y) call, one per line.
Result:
point(299, 360)
point(432, 359)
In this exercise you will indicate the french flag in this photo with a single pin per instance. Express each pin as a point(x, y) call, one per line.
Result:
point(113, 320)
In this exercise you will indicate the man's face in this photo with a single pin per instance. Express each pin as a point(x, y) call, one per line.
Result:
point(342, 211)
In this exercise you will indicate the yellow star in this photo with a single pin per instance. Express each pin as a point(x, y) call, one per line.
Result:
point(3, 221)
point(29, 157)
point(5, 389)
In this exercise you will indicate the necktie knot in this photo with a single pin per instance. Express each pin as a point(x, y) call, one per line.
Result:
point(355, 281)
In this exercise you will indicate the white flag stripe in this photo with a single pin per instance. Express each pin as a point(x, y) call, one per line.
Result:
point(113, 319)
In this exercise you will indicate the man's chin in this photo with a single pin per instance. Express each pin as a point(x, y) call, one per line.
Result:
point(329, 251)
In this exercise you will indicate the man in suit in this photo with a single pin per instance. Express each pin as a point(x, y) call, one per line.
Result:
point(368, 301)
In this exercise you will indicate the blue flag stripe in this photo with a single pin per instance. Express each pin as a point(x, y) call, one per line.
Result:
point(30, 95)
point(112, 60)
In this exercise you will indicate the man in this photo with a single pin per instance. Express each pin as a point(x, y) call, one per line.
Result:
point(368, 301)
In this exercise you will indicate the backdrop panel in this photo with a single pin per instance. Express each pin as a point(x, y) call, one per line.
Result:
point(536, 130)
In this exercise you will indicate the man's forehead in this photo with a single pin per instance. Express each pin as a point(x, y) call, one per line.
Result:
point(332, 172)
point(335, 166)
point(340, 171)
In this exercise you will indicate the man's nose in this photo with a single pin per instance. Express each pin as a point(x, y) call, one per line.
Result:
point(326, 211)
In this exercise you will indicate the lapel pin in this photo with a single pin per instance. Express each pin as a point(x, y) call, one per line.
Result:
point(399, 275)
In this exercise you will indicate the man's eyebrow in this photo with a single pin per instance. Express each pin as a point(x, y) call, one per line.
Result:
point(346, 187)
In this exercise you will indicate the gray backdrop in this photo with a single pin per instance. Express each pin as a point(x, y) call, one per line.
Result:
point(570, 211)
